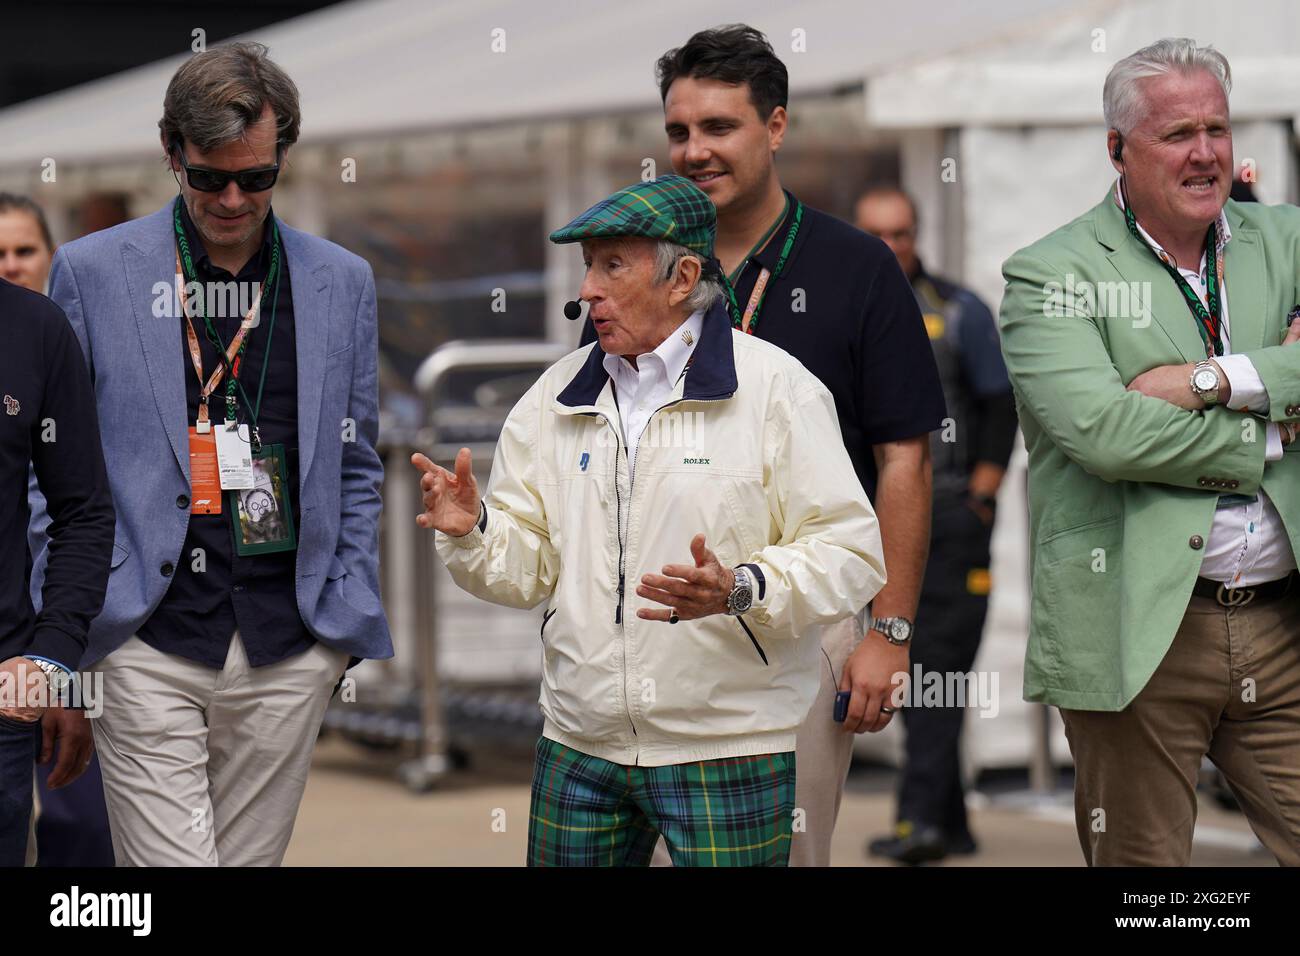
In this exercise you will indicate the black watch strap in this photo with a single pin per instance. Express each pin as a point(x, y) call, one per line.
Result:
point(760, 582)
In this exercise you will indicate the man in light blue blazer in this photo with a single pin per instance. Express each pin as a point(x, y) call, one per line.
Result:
point(239, 412)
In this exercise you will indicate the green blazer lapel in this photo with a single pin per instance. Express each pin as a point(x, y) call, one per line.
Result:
point(1249, 325)
point(1147, 278)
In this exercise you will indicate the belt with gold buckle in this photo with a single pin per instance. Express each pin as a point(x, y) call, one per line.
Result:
point(1226, 596)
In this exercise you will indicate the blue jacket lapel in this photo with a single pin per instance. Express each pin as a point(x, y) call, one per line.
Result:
point(311, 281)
point(149, 260)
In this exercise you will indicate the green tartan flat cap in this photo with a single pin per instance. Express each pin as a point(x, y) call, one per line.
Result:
point(670, 207)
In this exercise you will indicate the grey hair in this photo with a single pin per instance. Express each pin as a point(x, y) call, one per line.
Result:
point(1121, 99)
point(706, 291)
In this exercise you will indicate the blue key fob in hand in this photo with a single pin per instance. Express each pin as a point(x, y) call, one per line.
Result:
point(842, 705)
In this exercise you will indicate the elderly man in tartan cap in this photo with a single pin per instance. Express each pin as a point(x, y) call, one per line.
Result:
point(679, 496)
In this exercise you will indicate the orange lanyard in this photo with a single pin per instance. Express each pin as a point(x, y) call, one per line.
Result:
point(196, 355)
point(755, 298)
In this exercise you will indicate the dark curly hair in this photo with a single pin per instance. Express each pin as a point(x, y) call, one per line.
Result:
point(735, 53)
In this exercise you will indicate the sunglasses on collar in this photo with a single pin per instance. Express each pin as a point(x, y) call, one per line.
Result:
point(206, 180)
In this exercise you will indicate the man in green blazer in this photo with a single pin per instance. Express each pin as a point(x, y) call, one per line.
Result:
point(1159, 391)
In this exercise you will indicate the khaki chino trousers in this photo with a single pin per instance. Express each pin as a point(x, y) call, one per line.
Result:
point(207, 767)
point(1229, 688)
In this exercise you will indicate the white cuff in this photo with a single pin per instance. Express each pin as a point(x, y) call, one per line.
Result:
point(1273, 442)
point(1247, 387)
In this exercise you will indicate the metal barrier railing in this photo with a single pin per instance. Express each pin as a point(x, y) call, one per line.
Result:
point(406, 699)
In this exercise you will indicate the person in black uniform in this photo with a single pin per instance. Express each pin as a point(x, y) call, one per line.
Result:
point(969, 456)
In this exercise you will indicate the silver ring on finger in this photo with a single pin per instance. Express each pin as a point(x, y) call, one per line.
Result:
point(888, 710)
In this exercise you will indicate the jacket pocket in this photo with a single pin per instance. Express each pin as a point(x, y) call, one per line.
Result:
point(748, 534)
point(1076, 528)
point(1075, 606)
point(753, 640)
point(546, 618)
point(337, 569)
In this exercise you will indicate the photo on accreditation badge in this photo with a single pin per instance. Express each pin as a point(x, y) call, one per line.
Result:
point(474, 438)
point(265, 522)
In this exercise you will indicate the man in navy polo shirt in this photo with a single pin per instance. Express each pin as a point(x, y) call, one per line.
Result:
point(836, 299)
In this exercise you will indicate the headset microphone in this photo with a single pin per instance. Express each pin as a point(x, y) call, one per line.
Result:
point(572, 309)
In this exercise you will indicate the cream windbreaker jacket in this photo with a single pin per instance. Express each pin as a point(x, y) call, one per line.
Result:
point(747, 451)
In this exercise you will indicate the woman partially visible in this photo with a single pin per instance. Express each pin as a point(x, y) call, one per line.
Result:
point(26, 246)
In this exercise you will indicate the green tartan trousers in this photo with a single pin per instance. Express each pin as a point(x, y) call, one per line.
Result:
point(590, 812)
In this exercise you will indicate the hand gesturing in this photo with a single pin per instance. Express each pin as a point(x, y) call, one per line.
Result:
point(451, 502)
point(693, 591)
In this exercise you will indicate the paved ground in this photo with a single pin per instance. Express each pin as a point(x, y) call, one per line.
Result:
point(356, 813)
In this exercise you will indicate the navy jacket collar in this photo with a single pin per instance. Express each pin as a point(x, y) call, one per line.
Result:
point(711, 375)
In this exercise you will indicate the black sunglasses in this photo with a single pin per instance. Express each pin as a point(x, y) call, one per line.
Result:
point(215, 180)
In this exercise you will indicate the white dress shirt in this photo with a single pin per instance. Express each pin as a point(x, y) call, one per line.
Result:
point(642, 390)
point(1248, 543)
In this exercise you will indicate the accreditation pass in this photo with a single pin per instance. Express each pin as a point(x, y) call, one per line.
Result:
point(234, 457)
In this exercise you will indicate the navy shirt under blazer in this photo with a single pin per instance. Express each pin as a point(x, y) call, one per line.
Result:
point(201, 610)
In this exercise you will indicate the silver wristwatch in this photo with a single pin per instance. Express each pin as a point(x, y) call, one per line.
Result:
point(897, 630)
point(741, 598)
point(58, 677)
point(1205, 382)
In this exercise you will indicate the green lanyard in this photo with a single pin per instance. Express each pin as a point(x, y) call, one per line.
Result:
point(271, 285)
point(761, 243)
point(1207, 321)
point(748, 321)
